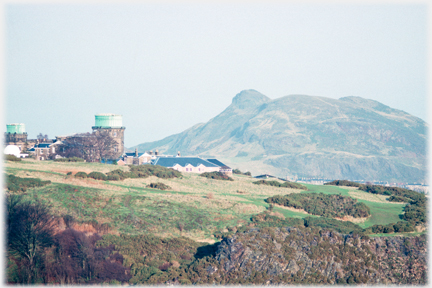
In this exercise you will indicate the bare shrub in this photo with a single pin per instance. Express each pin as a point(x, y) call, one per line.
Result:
point(165, 266)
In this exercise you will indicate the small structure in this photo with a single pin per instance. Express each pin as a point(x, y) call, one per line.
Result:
point(12, 150)
point(222, 167)
point(135, 158)
point(187, 164)
point(43, 151)
point(193, 164)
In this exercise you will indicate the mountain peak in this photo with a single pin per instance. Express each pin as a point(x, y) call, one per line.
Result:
point(249, 98)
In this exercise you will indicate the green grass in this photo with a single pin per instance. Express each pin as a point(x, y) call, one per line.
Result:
point(131, 208)
point(381, 213)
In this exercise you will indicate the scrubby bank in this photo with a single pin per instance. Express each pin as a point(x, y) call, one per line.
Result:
point(283, 185)
point(323, 204)
point(18, 184)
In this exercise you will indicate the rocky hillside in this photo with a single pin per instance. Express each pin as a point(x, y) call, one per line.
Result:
point(314, 256)
point(309, 136)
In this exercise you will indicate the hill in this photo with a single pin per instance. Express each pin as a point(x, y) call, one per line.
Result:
point(121, 231)
point(309, 136)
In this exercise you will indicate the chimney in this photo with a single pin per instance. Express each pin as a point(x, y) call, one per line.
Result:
point(156, 152)
point(136, 152)
point(151, 152)
point(178, 154)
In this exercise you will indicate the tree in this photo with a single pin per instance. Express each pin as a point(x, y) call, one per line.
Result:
point(30, 230)
point(104, 145)
point(41, 136)
point(91, 147)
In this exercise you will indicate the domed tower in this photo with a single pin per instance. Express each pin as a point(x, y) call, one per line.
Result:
point(15, 134)
point(111, 124)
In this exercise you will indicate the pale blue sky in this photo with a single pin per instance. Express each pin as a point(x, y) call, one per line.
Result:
point(167, 67)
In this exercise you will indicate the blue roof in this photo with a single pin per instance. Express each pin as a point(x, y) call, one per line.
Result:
point(218, 163)
point(182, 161)
point(132, 154)
point(43, 145)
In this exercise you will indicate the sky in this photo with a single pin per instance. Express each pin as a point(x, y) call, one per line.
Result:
point(166, 67)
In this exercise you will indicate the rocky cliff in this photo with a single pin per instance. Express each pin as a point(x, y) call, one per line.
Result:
point(314, 256)
point(309, 136)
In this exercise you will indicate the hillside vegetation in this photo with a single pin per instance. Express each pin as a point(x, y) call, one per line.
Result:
point(323, 204)
point(128, 230)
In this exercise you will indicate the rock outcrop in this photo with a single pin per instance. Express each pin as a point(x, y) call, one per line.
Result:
point(313, 256)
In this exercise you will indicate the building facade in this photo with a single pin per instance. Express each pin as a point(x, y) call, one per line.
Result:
point(111, 124)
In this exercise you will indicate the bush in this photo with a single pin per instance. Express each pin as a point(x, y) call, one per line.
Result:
point(216, 176)
point(237, 171)
point(81, 175)
point(12, 158)
point(160, 186)
point(118, 173)
point(69, 173)
point(114, 177)
point(97, 176)
point(343, 183)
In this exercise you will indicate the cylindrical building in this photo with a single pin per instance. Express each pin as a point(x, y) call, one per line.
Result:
point(18, 128)
point(111, 124)
point(108, 120)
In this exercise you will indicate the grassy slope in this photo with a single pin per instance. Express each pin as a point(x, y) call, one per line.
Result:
point(196, 208)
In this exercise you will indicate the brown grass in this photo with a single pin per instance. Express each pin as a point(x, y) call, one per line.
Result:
point(371, 197)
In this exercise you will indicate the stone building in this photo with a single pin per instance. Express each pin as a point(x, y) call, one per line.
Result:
point(112, 125)
point(16, 135)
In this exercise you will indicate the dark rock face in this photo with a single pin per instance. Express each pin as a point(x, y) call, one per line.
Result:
point(294, 255)
point(309, 136)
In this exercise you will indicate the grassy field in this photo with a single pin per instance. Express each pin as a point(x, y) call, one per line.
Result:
point(382, 212)
point(196, 207)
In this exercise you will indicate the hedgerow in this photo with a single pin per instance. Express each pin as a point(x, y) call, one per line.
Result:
point(144, 171)
point(279, 184)
point(323, 204)
point(71, 159)
point(12, 158)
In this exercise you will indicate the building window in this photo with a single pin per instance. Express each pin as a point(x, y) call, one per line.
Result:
point(115, 134)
